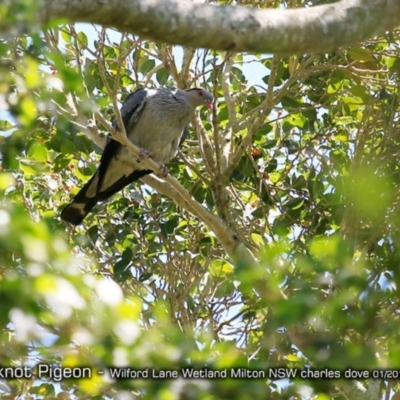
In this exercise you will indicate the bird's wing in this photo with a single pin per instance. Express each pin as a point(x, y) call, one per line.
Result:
point(132, 107)
point(184, 136)
point(130, 112)
point(109, 177)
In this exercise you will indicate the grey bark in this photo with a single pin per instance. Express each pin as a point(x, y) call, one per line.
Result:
point(235, 28)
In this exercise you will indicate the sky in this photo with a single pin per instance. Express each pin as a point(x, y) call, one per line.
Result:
point(253, 69)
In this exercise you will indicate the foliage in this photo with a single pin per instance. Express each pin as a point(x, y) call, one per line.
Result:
point(310, 184)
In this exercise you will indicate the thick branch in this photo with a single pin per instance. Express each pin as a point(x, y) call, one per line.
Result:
point(234, 28)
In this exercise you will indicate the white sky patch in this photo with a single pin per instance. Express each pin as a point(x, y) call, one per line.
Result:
point(64, 298)
point(55, 83)
point(24, 324)
point(4, 221)
point(109, 292)
point(120, 357)
point(83, 337)
point(3, 103)
point(35, 269)
point(127, 330)
point(35, 249)
point(51, 182)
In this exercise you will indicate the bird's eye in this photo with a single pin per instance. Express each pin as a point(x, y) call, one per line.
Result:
point(200, 93)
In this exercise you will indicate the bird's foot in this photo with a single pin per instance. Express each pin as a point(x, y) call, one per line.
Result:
point(164, 171)
point(143, 153)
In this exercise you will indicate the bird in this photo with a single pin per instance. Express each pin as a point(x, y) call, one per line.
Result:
point(156, 121)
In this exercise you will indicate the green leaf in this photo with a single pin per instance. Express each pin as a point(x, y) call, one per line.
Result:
point(272, 165)
point(281, 226)
point(360, 54)
point(83, 40)
point(121, 270)
point(170, 225)
point(83, 173)
point(66, 35)
point(294, 204)
point(220, 268)
point(144, 277)
point(27, 167)
point(28, 110)
point(67, 148)
point(259, 212)
point(61, 162)
point(162, 76)
point(38, 152)
point(147, 66)
point(269, 144)
point(293, 358)
point(297, 120)
point(5, 125)
point(291, 145)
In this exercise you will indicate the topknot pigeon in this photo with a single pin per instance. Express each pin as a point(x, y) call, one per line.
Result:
point(156, 121)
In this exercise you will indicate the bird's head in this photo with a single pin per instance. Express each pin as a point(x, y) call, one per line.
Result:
point(199, 96)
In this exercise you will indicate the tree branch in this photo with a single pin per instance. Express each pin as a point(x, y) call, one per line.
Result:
point(234, 28)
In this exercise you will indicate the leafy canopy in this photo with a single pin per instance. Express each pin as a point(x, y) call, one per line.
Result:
point(302, 167)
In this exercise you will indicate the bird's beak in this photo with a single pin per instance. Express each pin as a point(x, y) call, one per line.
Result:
point(209, 105)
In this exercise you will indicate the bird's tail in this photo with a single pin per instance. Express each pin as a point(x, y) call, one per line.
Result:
point(80, 206)
point(97, 190)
